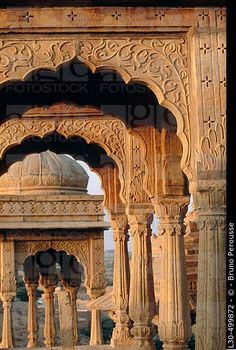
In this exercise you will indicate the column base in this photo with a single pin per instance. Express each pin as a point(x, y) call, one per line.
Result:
point(121, 342)
point(175, 347)
point(32, 345)
point(2, 346)
point(142, 345)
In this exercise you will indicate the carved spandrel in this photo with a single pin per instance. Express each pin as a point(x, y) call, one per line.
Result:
point(156, 58)
point(19, 57)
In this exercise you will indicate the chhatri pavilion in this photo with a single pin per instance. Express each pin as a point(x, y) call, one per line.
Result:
point(137, 91)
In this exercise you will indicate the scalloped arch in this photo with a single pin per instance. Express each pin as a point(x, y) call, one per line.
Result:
point(160, 63)
point(24, 250)
point(15, 131)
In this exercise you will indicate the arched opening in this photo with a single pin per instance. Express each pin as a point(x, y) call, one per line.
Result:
point(61, 271)
point(134, 103)
point(136, 116)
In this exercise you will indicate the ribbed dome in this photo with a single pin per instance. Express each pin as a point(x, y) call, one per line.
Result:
point(45, 172)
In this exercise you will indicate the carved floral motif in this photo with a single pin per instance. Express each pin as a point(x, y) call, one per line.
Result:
point(19, 57)
point(164, 60)
point(160, 63)
point(212, 154)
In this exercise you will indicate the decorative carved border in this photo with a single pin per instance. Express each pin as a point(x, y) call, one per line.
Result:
point(77, 207)
point(104, 19)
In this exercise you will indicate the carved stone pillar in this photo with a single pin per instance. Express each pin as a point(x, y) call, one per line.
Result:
point(7, 337)
point(141, 300)
point(96, 337)
point(8, 291)
point(174, 314)
point(48, 285)
point(96, 286)
point(32, 315)
point(73, 297)
point(210, 213)
point(121, 279)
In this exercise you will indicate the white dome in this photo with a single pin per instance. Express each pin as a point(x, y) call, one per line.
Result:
point(43, 173)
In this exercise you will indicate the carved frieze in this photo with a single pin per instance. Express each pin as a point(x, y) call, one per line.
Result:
point(11, 207)
point(102, 19)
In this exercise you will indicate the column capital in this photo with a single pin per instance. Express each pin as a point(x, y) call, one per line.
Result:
point(7, 297)
point(8, 283)
point(210, 202)
point(210, 185)
point(31, 288)
point(72, 290)
point(171, 206)
point(171, 212)
point(140, 224)
point(48, 283)
point(119, 226)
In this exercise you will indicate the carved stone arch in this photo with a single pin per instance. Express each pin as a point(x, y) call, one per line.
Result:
point(101, 178)
point(111, 186)
point(79, 249)
point(160, 63)
point(110, 133)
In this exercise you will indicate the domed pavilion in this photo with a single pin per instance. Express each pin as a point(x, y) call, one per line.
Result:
point(45, 210)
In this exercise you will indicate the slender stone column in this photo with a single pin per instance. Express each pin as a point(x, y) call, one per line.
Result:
point(142, 300)
point(7, 337)
point(96, 337)
point(7, 290)
point(96, 286)
point(210, 213)
point(48, 285)
point(73, 297)
point(174, 312)
point(121, 279)
point(32, 315)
